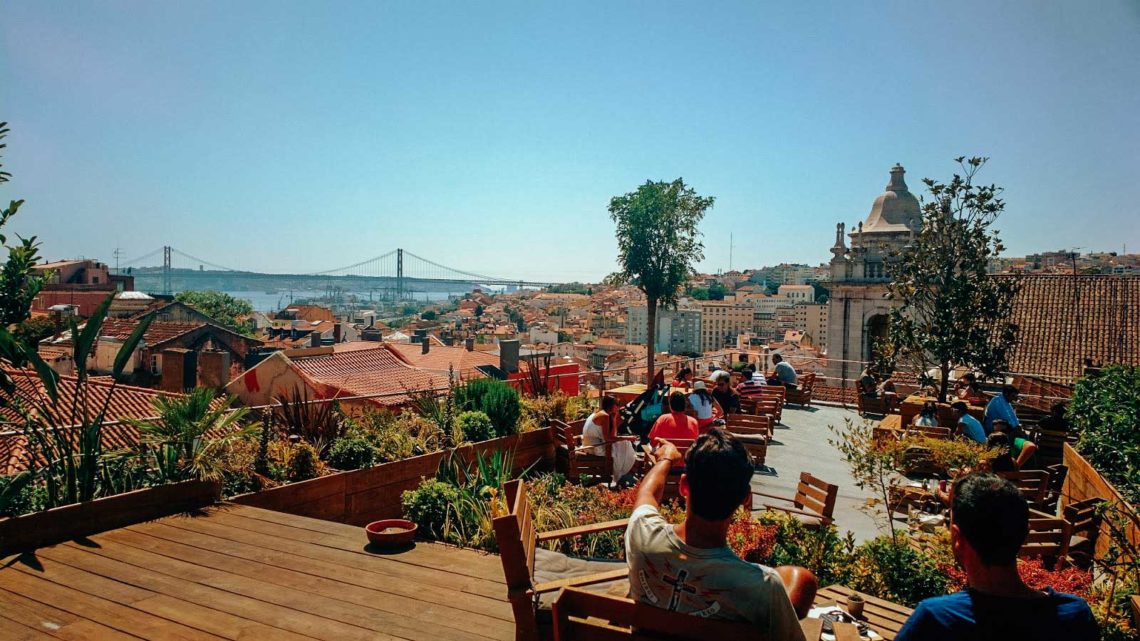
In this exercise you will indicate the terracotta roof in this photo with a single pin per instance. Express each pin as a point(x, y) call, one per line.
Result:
point(440, 357)
point(353, 346)
point(1064, 320)
point(366, 372)
point(127, 402)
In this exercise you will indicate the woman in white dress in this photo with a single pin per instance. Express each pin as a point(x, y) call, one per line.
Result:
point(602, 427)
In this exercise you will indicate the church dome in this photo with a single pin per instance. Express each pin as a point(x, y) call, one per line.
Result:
point(896, 209)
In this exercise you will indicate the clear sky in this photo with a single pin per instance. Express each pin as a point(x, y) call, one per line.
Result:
point(302, 136)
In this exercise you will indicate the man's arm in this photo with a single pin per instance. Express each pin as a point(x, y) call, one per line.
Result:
point(653, 485)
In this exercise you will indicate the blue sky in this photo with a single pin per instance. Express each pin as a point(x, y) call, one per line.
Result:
point(490, 136)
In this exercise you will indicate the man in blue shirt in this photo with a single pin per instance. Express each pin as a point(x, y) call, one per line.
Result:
point(989, 521)
point(968, 426)
point(1001, 408)
point(785, 374)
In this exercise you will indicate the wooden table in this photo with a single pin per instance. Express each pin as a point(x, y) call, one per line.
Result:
point(883, 617)
point(626, 393)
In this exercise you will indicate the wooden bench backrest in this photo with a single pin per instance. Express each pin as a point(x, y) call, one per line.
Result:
point(1048, 537)
point(1034, 484)
point(1084, 518)
point(816, 495)
point(807, 382)
point(930, 432)
point(516, 538)
point(582, 615)
point(749, 423)
point(574, 462)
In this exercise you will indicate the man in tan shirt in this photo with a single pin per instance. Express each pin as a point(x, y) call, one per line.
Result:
point(689, 567)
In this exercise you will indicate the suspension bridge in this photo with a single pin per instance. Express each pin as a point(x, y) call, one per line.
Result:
point(399, 271)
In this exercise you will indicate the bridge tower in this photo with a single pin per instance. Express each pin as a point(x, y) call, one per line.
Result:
point(399, 274)
point(166, 255)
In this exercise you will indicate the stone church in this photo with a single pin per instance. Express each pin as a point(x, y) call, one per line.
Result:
point(858, 308)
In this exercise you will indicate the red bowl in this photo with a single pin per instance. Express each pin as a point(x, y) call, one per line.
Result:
point(403, 534)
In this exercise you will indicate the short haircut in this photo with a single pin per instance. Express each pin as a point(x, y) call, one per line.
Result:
point(677, 402)
point(960, 406)
point(1009, 390)
point(1000, 422)
point(719, 474)
point(776, 358)
point(608, 403)
point(992, 516)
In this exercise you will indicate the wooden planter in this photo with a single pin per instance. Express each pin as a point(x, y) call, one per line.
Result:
point(30, 531)
point(1084, 482)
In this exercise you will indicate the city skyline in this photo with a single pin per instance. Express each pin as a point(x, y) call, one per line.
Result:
point(297, 140)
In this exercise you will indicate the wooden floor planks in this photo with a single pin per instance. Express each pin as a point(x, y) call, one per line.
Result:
point(242, 573)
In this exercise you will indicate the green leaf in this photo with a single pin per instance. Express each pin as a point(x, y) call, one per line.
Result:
point(129, 345)
point(47, 375)
point(13, 489)
point(86, 339)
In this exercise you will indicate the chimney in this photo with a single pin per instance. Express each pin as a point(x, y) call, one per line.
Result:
point(425, 345)
point(509, 356)
point(338, 332)
point(214, 368)
point(179, 369)
point(469, 344)
point(315, 339)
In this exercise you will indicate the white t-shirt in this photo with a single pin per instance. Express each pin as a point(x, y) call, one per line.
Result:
point(666, 572)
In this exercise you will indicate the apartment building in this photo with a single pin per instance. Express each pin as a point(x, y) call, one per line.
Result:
point(678, 330)
point(722, 322)
point(811, 319)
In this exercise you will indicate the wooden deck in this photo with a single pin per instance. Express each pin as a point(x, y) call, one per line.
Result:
point(239, 572)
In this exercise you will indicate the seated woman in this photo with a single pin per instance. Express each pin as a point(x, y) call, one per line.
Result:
point(1020, 448)
point(928, 416)
point(704, 406)
point(968, 389)
point(684, 378)
point(601, 428)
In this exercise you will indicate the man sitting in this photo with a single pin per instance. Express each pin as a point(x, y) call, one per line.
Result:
point(1000, 408)
point(989, 521)
point(752, 385)
point(784, 373)
point(968, 426)
point(689, 567)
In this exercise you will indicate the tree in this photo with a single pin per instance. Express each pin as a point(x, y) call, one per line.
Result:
point(658, 243)
point(18, 284)
point(478, 311)
point(33, 330)
point(716, 291)
point(219, 306)
point(429, 315)
point(952, 313)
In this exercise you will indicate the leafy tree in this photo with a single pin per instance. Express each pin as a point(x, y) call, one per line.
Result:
point(716, 291)
point(658, 243)
point(565, 337)
point(478, 311)
point(429, 315)
point(699, 293)
point(33, 330)
point(952, 312)
point(18, 284)
point(219, 306)
point(408, 310)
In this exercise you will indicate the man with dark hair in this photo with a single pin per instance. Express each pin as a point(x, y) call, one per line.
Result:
point(989, 521)
point(1000, 408)
point(676, 424)
point(968, 426)
point(783, 373)
point(689, 567)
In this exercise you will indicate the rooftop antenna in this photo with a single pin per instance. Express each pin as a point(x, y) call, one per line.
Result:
point(730, 251)
point(117, 253)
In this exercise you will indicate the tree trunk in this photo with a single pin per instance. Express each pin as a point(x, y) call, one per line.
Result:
point(944, 369)
point(651, 338)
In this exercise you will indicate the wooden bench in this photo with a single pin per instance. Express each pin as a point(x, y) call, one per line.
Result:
point(577, 461)
point(1033, 484)
point(1048, 539)
point(881, 404)
point(801, 394)
point(517, 540)
point(1082, 526)
point(813, 504)
point(753, 432)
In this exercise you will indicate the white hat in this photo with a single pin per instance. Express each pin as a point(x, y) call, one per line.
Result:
point(699, 385)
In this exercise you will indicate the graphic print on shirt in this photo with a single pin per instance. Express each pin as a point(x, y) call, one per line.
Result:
point(680, 583)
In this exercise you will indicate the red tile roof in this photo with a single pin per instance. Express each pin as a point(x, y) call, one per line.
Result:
point(440, 357)
point(126, 402)
point(1064, 320)
point(366, 372)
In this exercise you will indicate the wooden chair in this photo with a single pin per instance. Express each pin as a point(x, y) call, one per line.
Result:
point(1048, 539)
point(753, 432)
point(801, 395)
point(582, 616)
point(577, 461)
point(1050, 445)
point(881, 404)
point(778, 395)
point(1033, 484)
point(1082, 526)
point(814, 502)
point(1057, 473)
point(517, 541)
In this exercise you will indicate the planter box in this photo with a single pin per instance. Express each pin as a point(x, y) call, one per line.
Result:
point(1084, 482)
point(69, 522)
point(358, 497)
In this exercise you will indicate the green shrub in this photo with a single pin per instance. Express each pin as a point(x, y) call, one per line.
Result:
point(475, 426)
point(351, 453)
point(429, 506)
point(303, 463)
point(1106, 411)
point(895, 572)
point(494, 398)
point(820, 550)
point(27, 499)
